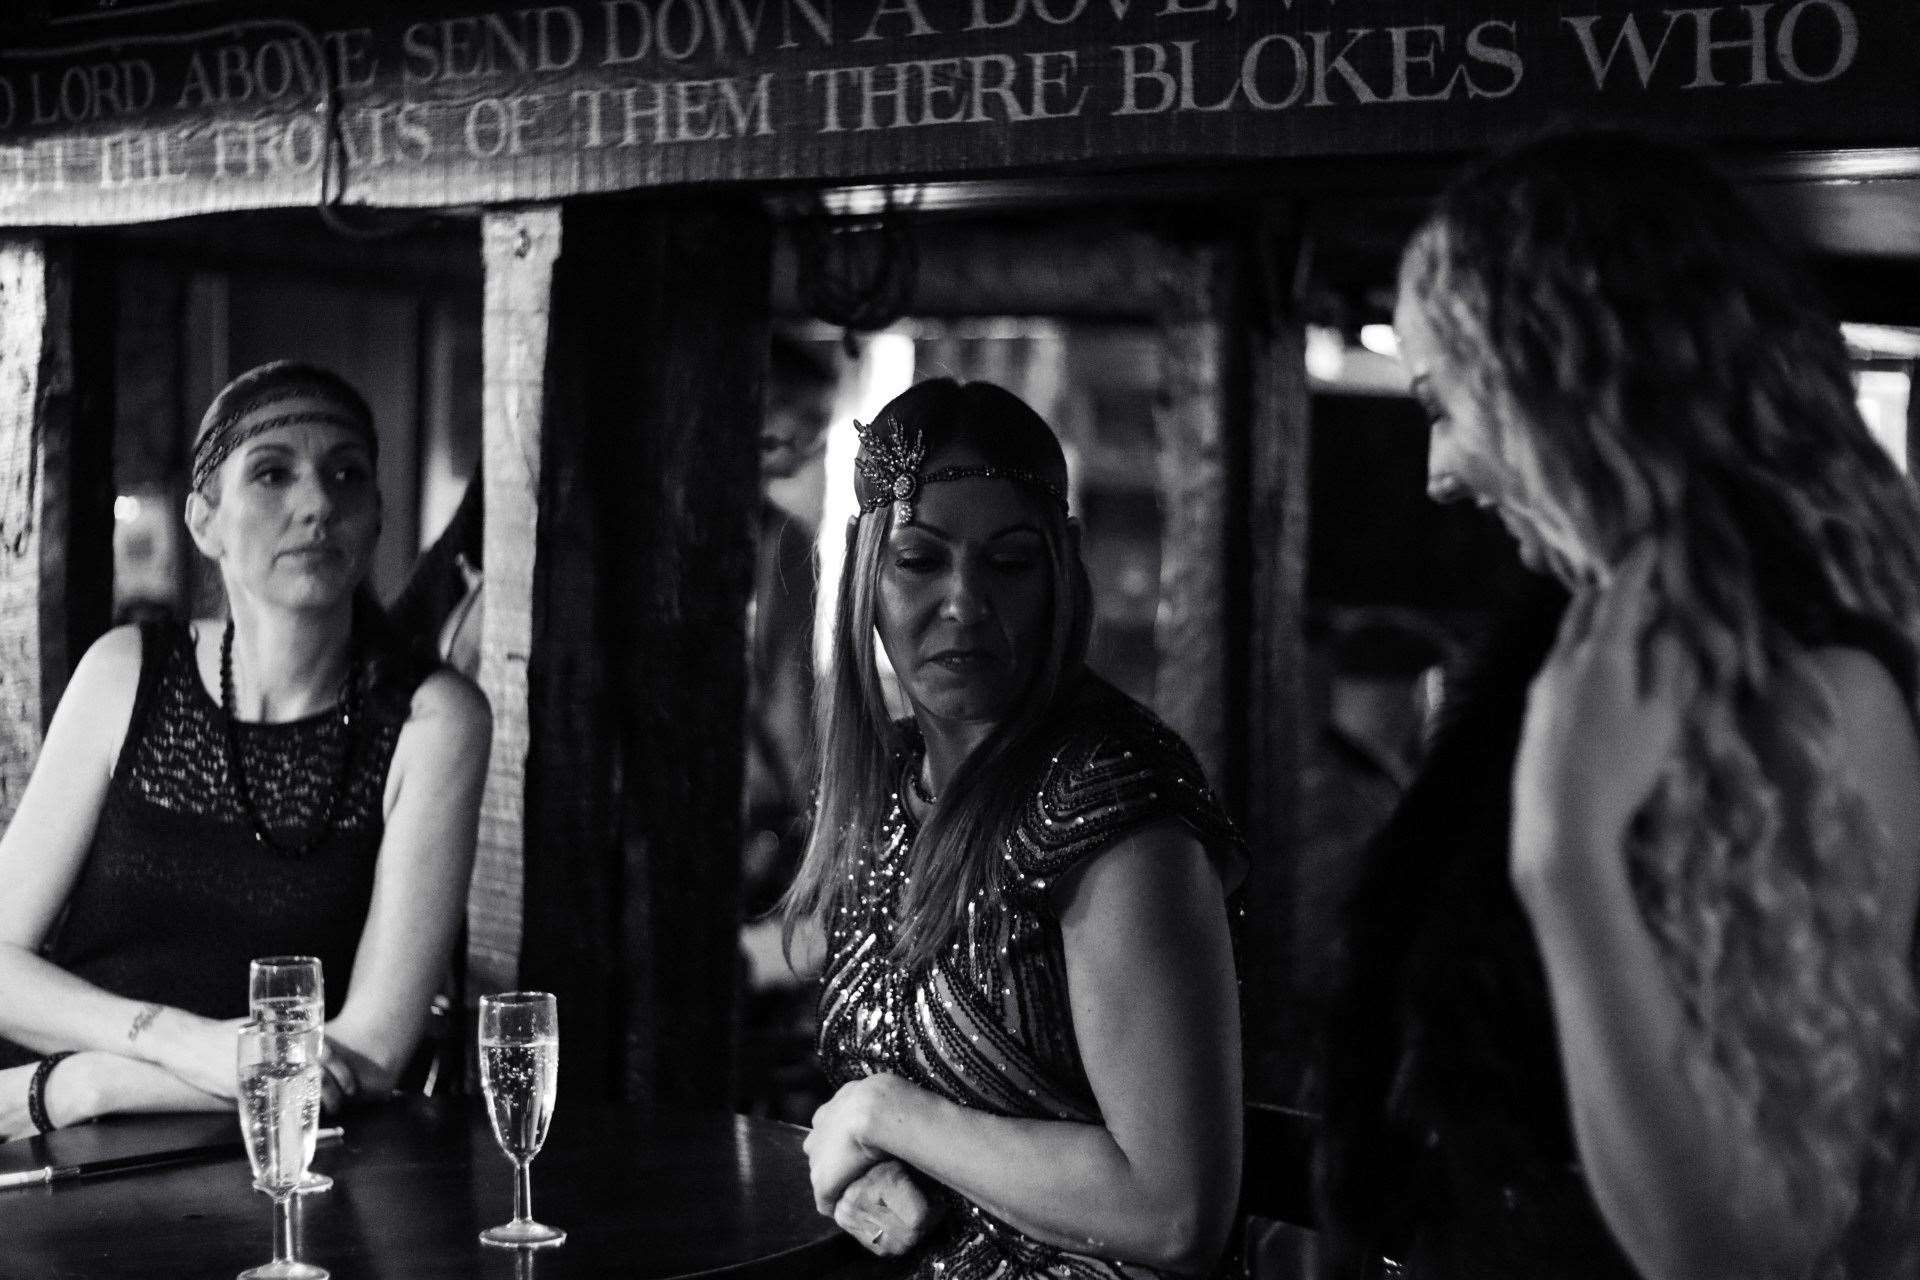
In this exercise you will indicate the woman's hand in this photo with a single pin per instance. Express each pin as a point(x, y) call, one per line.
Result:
point(1603, 719)
point(200, 1051)
point(886, 1210)
point(838, 1149)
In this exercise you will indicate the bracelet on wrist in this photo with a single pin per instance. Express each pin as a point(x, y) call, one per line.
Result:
point(37, 1091)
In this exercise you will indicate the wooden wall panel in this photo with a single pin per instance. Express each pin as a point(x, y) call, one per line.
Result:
point(1191, 633)
point(56, 431)
point(1277, 720)
point(519, 249)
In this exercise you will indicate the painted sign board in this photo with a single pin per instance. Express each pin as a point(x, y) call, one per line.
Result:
point(158, 108)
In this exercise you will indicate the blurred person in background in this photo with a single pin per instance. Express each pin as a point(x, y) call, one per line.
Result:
point(779, 1073)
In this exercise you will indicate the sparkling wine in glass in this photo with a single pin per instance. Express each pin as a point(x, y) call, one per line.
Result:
point(519, 1069)
point(290, 992)
point(278, 1071)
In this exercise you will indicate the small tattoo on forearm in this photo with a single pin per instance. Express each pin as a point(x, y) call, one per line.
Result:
point(141, 1021)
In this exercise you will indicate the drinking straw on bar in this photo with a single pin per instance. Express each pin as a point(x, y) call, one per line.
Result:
point(126, 1164)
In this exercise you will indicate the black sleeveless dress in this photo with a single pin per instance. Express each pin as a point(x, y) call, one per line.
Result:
point(178, 893)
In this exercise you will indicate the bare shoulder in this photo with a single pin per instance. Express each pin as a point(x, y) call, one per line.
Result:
point(99, 697)
point(449, 697)
point(1864, 692)
point(1878, 738)
point(449, 711)
point(1880, 748)
point(110, 665)
point(1158, 870)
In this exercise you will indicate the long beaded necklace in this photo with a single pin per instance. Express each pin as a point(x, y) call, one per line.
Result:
point(237, 768)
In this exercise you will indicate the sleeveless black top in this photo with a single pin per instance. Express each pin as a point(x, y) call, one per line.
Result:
point(177, 893)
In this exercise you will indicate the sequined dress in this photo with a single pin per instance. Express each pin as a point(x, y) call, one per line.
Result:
point(988, 1025)
point(177, 895)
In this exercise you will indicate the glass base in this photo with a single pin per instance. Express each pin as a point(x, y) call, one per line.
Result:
point(312, 1183)
point(285, 1271)
point(523, 1235)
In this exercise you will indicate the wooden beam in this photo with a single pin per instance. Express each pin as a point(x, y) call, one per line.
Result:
point(1196, 494)
point(56, 432)
point(1913, 418)
point(1279, 433)
point(519, 249)
point(649, 488)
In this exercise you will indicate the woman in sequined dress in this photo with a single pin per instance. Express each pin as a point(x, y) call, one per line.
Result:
point(286, 780)
point(1029, 1005)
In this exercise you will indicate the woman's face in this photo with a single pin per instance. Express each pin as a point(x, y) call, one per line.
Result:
point(966, 598)
point(1465, 460)
point(293, 516)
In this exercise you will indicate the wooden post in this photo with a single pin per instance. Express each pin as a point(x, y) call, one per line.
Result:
point(519, 249)
point(56, 510)
point(1913, 417)
point(1279, 422)
point(1233, 426)
point(1197, 497)
point(649, 490)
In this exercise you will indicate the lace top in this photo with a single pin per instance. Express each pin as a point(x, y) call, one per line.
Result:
point(177, 893)
point(989, 1025)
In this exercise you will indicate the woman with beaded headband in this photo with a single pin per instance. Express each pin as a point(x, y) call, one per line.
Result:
point(1025, 831)
point(1716, 802)
point(288, 781)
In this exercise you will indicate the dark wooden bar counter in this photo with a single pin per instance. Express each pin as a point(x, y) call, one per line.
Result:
point(646, 1197)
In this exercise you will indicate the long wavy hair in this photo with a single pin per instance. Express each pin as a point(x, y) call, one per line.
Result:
point(862, 749)
point(1653, 365)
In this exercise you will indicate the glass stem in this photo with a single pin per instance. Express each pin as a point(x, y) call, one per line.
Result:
point(522, 1191)
point(283, 1227)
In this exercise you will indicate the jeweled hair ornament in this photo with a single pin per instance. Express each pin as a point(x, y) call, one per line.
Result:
point(889, 465)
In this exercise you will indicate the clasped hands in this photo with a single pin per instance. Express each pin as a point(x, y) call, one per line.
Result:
point(871, 1196)
point(174, 1060)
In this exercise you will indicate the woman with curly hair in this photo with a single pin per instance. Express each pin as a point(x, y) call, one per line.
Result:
point(1716, 800)
point(1028, 1010)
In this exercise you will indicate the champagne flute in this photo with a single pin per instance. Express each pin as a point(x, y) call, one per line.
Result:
point(519, 1068)
point(290, 992)
point(278, 1070)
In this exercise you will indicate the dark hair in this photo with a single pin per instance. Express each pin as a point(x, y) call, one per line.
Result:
point(389, 663)
point(861, 747)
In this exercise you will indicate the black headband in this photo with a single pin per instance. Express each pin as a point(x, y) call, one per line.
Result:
point(243, 421)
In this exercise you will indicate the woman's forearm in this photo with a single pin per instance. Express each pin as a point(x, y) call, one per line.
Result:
point(1066, 1184)
point(45, 1008)
point(93, 1083)
point(1691, 1194)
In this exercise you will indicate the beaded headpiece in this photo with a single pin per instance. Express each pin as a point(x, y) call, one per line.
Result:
point(280, 394)
point(888, 469)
